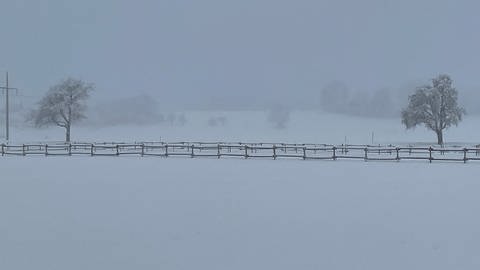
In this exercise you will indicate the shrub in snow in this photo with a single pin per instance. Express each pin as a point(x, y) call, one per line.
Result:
point(279, 117)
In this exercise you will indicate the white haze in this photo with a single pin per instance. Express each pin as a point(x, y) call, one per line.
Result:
point(241, 54)
point(280, 71)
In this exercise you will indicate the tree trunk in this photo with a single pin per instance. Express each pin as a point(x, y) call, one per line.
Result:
point(67, 133)
point(69, 122)
point(439, 137)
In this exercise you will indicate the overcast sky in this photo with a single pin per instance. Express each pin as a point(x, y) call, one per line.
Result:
point(210, 51)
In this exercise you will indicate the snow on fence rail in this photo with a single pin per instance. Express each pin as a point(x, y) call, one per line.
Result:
point(247, 150)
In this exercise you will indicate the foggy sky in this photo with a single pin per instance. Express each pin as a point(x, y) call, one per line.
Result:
point(215, 52)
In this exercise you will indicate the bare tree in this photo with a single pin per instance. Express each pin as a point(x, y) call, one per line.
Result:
point(435, 106)
point(63, 105)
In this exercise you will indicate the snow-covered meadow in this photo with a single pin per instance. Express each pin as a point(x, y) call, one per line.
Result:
point(180, 213)
point(252, 126)
point(177, 213)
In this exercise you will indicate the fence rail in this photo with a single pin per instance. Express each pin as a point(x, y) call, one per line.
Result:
point(248, 150)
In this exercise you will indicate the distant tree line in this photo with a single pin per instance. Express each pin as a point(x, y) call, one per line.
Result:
point(336, 97)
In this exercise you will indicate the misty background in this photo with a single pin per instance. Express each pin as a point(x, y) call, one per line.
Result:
point(149, 59)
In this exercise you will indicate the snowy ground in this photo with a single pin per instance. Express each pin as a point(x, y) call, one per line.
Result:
point(157, 213)
point(303, 127)
point(180, 213)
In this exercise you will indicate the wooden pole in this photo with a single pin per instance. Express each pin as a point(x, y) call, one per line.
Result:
point(7, 112)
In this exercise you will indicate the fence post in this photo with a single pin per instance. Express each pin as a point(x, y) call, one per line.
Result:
point(23, 149)
point(304, 153)
point(3, 149)
point(193, 153)
point(430, 151)
point(465, 155)
point(398, 153)
point(69, 149)
point(334, 153)
point(166, 150)
point(246, 151)
point(117, 148)
point(274, 151)
point(143, 150)
point(218, 151)
point(46, 149)
point(366, 153)
point(91, 149)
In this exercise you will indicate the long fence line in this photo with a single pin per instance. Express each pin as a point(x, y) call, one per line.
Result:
point(247, 150)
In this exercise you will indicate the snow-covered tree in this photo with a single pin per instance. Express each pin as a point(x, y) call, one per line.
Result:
point(63, 105)
point(435, 106)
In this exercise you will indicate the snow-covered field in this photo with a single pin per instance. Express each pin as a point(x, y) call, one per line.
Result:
point(303, 127)
point(180, 213)
point(158, 213)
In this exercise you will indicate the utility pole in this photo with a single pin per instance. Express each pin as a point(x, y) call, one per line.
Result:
point(7, 109)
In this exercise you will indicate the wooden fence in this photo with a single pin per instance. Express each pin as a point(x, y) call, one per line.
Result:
point(248, 150)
